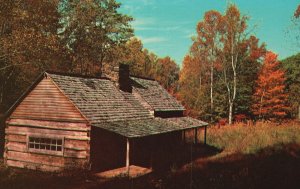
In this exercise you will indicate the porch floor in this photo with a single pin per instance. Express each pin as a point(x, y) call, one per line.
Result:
point(134, 171)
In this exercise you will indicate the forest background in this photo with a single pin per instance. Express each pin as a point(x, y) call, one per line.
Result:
point(228, 73)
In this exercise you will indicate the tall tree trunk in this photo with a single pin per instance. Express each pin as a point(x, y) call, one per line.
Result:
point(233, 65)
point(299, 112)
point(211, 90)
point(230, 113)
point(233, 95)
point(200, 82)
point(1, 94)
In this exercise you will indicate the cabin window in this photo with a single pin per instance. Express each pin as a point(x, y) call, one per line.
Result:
point(41, 144)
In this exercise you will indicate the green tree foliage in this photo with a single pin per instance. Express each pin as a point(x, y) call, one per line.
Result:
point(94, 30)
point(291, 66)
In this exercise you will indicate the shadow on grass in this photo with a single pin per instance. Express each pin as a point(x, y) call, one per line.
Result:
point(273, 167)
point(182, 155)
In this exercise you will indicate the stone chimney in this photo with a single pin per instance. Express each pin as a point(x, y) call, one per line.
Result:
point(121, 77)
point(124, 78)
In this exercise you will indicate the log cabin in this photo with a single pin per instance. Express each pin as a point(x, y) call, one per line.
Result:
point(69, 121)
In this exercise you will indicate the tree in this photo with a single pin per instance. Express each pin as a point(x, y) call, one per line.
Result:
point(167, 73)
point(29, 44)
point(234, 38)
point(241, 52)
point(136, 56)
point(208, 42)
point(270, 100)
point(291, 65)
point(93, 31)
point(194, 87)
point(149, 64)
point(228, 59)
point(247, 75)
point(294, 30)
point(297, 12)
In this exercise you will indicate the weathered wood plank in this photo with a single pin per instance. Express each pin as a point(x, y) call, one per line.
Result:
point(48, 103)
point(34, 166)
point(44, 132)
point(53, 115)
point(75, 154)
point(76, 144)
point(15, 138)
point(16, 146)
point(49, 119)
point(49, 123)
point(47, 127)
point(77, 138)
point(73, 138)
point(46, 159)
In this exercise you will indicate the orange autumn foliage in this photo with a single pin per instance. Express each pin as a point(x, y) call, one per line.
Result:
point(269, 97)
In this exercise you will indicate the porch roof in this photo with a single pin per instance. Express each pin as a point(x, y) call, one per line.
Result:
point(148, 127)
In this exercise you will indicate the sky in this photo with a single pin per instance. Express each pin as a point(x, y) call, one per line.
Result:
point(166, 26)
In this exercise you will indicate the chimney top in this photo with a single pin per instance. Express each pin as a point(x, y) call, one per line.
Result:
point(124, 78)
point(120, 75)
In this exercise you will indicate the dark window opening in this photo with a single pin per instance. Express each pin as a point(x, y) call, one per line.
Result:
point(48, 144)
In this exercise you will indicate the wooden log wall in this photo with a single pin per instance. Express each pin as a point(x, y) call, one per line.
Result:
point(47, 113)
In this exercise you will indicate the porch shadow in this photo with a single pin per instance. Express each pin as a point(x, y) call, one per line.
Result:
point(182, 155)
point(276, 166)
point(273, 167)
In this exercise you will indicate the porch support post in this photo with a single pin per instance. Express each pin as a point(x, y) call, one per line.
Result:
point(127, 155)
point(205, 128)
point(151, 159)
point(196, 135)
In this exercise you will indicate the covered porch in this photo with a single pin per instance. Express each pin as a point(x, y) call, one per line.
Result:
point(143, 145)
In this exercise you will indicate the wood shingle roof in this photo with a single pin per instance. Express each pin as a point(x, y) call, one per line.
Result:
point(147, 127)
point(100, 100)
point(155, 95)
point(107, 107)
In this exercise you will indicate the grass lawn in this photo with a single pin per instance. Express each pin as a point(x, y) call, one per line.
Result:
point(266, 155)
point(262, 156)
point(251, 139)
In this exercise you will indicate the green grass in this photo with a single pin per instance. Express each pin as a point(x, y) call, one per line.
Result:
point(244, 139)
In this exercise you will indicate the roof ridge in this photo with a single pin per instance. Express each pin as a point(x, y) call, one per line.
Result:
point(75, 75)
point(141, 77)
